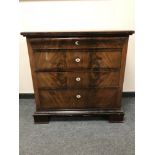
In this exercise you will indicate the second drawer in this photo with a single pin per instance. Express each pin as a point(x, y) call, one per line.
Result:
point(54, 80)
point(48, 60)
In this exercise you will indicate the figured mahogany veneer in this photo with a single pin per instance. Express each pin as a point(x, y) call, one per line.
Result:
point(76, 43)
point(78, 73)
point(66, 59)
point(79, 79)
point(89, 98)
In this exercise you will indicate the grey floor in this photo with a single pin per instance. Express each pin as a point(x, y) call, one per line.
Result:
point(76, 137)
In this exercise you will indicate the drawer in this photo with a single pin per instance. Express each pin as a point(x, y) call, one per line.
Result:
point(79, 99)
point(54, 80)
point(77, 59)
point(76, 43)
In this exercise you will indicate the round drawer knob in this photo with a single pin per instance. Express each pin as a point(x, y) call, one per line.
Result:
point(78, 96)
point(78, 79)
point(77, 60)
point(77, 43)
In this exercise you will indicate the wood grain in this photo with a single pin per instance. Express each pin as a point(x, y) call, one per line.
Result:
point(55, 80)
point(90, 98)
point(89, 59)
point(70, 43)
point(35, 84)
point(77, 34)
point(101, 66)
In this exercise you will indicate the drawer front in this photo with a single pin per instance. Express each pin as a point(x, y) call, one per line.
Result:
point(54, 80)
point(81, 99)
point(82, 59)
point(76, 43)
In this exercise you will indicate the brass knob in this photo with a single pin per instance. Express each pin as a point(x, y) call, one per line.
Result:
point(78, 78)
point(77, 60)
point(78, 96)
point(77, 43)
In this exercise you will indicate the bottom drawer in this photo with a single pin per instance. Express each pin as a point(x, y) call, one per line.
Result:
point(79, 99)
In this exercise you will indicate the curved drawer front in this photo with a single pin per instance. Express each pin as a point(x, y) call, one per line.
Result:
point(76, 43)
point(54, 80)
point(74, 59)
point(79, 98)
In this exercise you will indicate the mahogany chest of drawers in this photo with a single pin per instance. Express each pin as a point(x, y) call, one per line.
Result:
point(78, 73)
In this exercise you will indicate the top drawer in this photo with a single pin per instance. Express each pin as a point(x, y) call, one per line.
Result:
point(76, 43)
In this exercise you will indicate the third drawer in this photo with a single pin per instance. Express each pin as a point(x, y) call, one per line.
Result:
point(54, 80)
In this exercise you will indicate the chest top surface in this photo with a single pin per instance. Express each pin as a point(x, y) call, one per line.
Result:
point(79, 34)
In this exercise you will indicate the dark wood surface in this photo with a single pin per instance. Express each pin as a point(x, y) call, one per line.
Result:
point(78, 34)
point(58, 80)
point(31, 95)
point(59, 59)
point(114, 116)
point(88, 59)
point(89, 98)
point(77, 43)
point(34, 77)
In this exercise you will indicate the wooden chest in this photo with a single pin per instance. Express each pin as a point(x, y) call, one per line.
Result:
point(78, 73)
